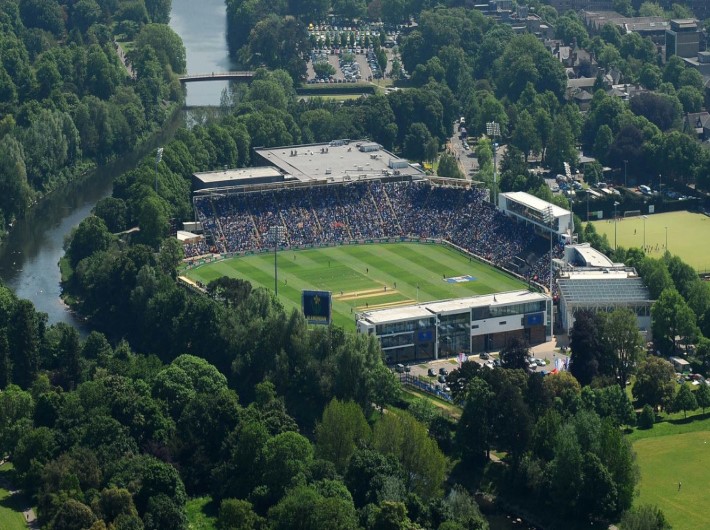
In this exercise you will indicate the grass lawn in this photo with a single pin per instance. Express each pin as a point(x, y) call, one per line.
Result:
point(365, 276)
point(688, 234)
point(11, 517)
point(201, 514)
point(673, 451)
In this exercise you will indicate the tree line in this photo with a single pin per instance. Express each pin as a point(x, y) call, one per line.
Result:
point(67, 102)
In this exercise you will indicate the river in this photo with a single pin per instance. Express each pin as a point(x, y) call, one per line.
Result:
point(29, 256)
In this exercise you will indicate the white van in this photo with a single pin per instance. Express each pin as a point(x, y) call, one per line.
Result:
point(645, 189)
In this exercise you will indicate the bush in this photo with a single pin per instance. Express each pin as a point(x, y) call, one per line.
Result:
point(647, 417)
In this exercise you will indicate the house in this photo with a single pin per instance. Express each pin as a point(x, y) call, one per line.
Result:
point(698, 122)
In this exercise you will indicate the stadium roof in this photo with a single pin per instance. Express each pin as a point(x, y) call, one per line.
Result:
point(336, 161)
point(209, 177)
point(430, 309)
point(591, 256)
point(486, 300)
point(535, 203)
point(613, 288)
point(380, 316)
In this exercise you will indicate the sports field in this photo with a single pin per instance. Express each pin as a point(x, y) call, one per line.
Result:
point(366, 276)
point(688, 235)
point(666, 461)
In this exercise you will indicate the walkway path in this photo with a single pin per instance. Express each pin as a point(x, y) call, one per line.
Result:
point(28, 512)
point(124, 60)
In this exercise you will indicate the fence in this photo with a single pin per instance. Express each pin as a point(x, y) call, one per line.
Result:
point(424, 386)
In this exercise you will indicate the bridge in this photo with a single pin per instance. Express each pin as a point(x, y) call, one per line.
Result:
point(218, 76)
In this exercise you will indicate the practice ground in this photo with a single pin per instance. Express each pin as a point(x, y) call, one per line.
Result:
point(667, 460)
point(688, 235)
point(366, 276)
point(11, 506)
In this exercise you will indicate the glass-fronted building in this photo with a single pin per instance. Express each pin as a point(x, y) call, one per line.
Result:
point(465, 325)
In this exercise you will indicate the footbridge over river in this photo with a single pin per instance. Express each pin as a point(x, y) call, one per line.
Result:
point(245, 76)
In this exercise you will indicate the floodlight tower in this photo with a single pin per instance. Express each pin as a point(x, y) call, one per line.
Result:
point(549, 220)
point(493, 130)
point(276, 234)
point(158, 158)
point(615, 205)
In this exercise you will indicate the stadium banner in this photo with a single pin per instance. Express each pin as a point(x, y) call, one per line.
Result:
point(316, 306)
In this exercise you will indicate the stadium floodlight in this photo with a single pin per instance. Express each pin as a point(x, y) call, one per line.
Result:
point(666, 239)
point(615, 205)
point(158, 158)
point(493, 130)
point(549, 220)
point(276, 235)
point(644, 217)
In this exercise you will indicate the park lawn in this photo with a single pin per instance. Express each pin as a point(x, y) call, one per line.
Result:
point(11, 516)
point(667, 460)
point(364, 276)
point(688, 234)
point(201, 514)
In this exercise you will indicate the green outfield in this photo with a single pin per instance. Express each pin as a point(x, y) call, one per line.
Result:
point(688, 235)
point(666, 461)
point(365, 276)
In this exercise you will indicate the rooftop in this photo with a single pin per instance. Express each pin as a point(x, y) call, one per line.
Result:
point(238, 174)
point(592, 256)
point(602, 287)
point(336, 161)
point(429, 309)
point(534, 202)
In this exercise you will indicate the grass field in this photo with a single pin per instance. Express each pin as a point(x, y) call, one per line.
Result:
point(667, 460)
point(11, 507)
point(688, 235)
point(365, 276)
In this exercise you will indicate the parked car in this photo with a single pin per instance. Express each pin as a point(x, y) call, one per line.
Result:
point(399, 368)
point(485, 355)
point(431, 373)
point(441, 379)
point(443, 371)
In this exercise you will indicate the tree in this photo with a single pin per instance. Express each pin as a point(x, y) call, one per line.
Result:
point(90, 237)
point(702, 396)
point(585, 347)
point(407, 440)
point(15, 192)
point(620, 335)
point(597, 498)
point(655, 383)
point(562, 147)
point(113, 212)
point(323, 69)
point(449, 167)
point(684, 400)
point(419, 143)
point(671, 317)
point(647, 418)
point(473, 433)
point(166, 43)
point(525, 135)
point(286, 458)
point(237, 514)
point(71, 515)
point(342, 429)
point(644, 517)
point(515, 354)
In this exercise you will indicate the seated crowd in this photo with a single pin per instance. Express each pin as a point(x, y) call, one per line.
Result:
point(366, 210)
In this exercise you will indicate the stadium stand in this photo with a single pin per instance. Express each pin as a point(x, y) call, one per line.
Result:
point(370, 210)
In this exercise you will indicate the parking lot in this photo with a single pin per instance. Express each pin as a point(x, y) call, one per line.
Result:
point(547, 354)
point(355, 44)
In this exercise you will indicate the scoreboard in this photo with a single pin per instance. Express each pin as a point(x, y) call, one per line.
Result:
point(317, 306)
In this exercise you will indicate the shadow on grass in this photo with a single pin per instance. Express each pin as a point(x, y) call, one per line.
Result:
point(689, 419)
